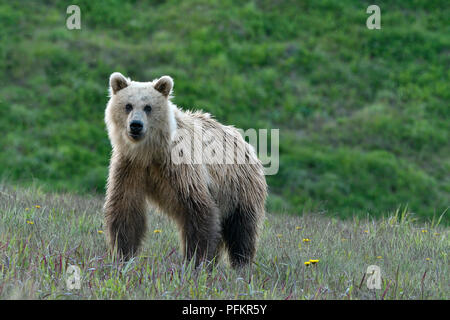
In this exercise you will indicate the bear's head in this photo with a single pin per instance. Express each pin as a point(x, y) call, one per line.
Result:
point(140, 114)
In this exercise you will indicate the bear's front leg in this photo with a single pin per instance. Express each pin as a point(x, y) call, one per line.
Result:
point(125, 207)
point(200, 230)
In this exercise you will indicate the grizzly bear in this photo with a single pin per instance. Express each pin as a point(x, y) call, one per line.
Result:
point(217, 205)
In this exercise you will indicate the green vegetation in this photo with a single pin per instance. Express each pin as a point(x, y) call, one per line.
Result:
point(363, 114)
point(34, 257)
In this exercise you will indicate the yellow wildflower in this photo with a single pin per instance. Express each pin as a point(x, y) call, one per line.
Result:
point(26, 209)
point(100, 231)
point(424, 230)
point(37, 206)
point(157, 231)
point(314, 261)
point(307, 263)
point(428, 259)
point(306, 240)
point(30, 222)
point(298, 228)
point(379, 257)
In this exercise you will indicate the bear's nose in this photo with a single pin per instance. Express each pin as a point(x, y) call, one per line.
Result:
point(136, 126)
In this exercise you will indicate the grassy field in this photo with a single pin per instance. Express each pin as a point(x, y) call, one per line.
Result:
point(41, 234)
point(364, 115)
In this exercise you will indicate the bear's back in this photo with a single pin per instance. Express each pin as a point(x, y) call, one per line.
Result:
point(229, 165)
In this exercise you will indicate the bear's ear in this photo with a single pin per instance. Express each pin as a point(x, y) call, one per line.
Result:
point(164, 85)
point(117, 82)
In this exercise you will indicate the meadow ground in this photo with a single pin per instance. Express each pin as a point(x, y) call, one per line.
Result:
point(41, 234)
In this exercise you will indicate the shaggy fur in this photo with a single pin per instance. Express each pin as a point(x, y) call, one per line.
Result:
point(215, 206)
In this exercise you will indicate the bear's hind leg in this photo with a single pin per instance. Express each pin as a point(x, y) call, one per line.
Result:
point(240, 232)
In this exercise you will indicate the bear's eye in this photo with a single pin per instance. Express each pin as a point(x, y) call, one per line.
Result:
point(147, 109)
point(128, 107)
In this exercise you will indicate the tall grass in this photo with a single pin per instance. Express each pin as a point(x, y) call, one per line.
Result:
point(41, 234)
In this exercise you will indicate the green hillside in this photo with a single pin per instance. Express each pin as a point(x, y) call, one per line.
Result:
point(364, 115)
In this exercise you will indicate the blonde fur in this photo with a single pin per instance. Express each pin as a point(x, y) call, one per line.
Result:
point(215, 205)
